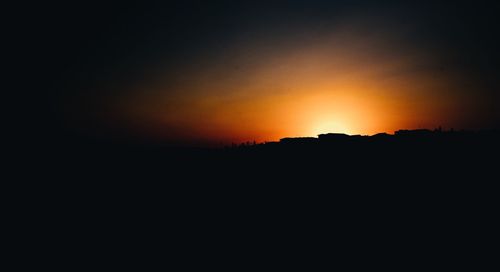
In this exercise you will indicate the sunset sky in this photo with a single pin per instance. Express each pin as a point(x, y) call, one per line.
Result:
point(233, 71)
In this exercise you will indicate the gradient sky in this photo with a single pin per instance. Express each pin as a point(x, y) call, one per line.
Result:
point(232, 71)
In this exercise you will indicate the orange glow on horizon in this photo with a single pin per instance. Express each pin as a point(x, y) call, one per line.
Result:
point(340, 84)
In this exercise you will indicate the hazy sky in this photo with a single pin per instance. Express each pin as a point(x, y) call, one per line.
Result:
point(222, 71)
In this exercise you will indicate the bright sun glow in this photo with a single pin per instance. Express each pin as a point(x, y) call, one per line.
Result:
point(330, 126)
point(291, 93)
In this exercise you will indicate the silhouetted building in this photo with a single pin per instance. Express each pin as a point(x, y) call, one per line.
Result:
point(333, 136)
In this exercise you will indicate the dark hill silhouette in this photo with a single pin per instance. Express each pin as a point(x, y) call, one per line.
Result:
point(408, 164)
point(396, 172)
point(415, 188)
point(420, 140)
point(423, 155)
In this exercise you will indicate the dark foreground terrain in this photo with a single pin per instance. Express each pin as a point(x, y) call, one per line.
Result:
point(403, 200)
point(417, 167)
point(408, 155)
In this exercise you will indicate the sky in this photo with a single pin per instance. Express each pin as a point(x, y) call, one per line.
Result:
point(216, 72)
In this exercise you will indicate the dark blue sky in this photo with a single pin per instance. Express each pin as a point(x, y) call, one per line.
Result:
point(93, 38)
